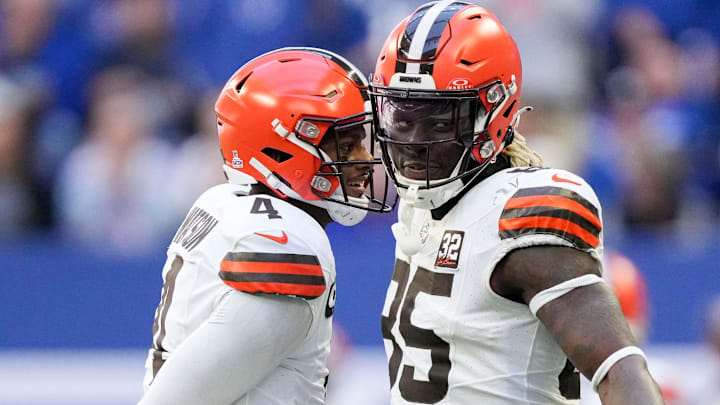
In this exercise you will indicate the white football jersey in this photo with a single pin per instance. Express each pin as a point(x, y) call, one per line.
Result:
point(449, 338)
point(257, 244)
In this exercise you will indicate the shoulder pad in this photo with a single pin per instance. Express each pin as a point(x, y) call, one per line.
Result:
point(553, 202)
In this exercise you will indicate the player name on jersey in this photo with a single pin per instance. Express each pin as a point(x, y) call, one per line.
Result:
point(196, 226)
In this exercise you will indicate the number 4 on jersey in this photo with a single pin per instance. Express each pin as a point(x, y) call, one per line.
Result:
point(264, 206)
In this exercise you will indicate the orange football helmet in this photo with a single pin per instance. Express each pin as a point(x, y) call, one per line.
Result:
point(274, 112)
point(445, 95)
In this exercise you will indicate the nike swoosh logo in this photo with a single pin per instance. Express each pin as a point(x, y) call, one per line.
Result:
point(559, 179)
point(279, 239)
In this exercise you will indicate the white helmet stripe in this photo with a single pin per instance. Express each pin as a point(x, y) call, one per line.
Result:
point(421, 33)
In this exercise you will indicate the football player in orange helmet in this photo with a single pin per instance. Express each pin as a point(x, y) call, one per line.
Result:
point(295, 114)
point(506, 253)
point(246, 308)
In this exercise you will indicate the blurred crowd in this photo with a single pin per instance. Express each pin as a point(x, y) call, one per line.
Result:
point(107, 128)
point(107, 132)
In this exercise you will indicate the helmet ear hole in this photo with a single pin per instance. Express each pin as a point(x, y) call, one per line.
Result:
point(276, 154)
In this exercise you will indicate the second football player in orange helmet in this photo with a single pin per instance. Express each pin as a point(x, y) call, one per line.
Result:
point(245, 313)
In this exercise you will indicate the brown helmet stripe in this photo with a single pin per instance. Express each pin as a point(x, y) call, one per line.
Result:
point(422, 34)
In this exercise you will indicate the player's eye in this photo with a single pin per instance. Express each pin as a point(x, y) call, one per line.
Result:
point(442, 126)
point(345, 148)
point(402, 125)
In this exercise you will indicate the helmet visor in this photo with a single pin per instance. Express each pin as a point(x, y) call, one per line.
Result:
point(426, 138)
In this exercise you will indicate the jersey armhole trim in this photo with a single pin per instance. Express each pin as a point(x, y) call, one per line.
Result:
point(558, 290)
point(610, 361)
point(519, 243)
point(312, 319)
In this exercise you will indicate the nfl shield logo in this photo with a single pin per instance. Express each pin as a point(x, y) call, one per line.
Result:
point(424, 232)
point(237, 163)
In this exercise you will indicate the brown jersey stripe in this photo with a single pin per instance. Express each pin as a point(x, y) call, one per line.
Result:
point(165, 302)
point(556, 202)
point(560, 192)
point(550, 223)
point(273, 278)
point(271, 258)
point(157, 362)
point(553, 212)
point(310, 291)
point(162, 311)
point(576, 241)
point(562, 225)
point(259, 267)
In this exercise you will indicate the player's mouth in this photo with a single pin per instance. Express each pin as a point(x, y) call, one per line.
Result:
point(418, 170)
point(355, 187)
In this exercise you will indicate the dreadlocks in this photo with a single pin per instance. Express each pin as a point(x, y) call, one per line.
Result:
point(520, 153)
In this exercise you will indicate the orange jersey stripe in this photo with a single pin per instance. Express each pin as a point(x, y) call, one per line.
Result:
point(554, 201)
point(278, 288)
point(550, 222)
point(271, 267)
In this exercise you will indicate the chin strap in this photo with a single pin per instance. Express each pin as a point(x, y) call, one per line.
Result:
point(340, 213)
point(407, 229)
point(346, 215)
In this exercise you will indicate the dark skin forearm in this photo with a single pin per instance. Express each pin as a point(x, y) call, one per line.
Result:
point(587, 322)
point(591, 331)
point(588, 325)
point(628, 382)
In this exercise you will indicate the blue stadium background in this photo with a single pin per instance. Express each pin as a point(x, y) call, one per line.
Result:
point(59, 295)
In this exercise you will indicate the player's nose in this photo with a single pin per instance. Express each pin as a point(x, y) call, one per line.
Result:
point(415, 150)
point(416, 134)
point(359, 153)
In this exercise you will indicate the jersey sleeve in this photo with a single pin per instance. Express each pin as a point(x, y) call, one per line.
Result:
point(248, 331)
point(274, 262)
point(557, 204)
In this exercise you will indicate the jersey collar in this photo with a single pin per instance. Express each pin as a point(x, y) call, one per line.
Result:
point(502, 163)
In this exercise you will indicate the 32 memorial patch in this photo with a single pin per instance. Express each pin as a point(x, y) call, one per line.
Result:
point(449, 251)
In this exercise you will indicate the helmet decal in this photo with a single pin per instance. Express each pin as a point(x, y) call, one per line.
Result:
point(459, 84)
point(237, 163)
